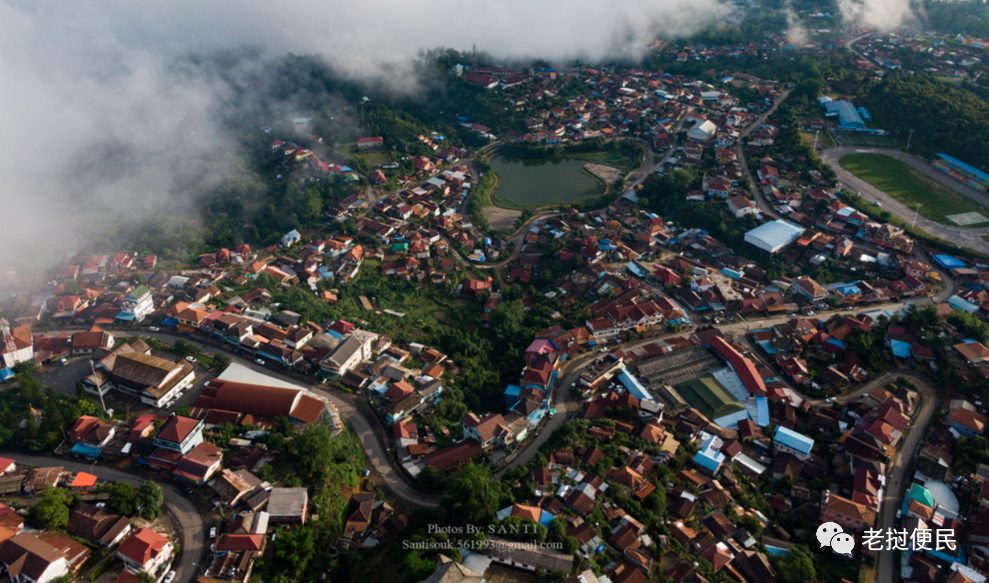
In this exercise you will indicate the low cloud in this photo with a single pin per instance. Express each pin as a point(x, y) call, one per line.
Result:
point(106, 121)
point(881, 14)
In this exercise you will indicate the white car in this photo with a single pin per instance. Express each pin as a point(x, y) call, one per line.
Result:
point(154, 329)
point(212, 532)
point(64, 362)
point(191, 358)
point(259, 361)
point(101, 504)
point(169, 577)
point(830, 400)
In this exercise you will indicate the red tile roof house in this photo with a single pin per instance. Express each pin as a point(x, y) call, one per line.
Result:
point(199, 464)
point(847, 513)
point(145, 551)
point(367, 143)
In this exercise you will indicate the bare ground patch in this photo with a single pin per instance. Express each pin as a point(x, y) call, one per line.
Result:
point(607, 173)
point(500, 218)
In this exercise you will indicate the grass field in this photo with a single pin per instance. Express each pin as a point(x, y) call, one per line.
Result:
point(910, 187)
point(374, 158)
point(865, 140)
point(709, 397)
point(823, 139)
point(616, 158)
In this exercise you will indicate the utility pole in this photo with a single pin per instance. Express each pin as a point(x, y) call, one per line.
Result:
point(99, 389)
point(916, 210)
point(909, 138)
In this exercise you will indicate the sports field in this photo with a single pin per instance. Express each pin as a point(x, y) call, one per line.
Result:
point(910, 187)
point(864, 140)
point(709, 397)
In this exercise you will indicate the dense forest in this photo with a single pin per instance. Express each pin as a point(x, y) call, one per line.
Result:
point(944, 118)
point(970, 18)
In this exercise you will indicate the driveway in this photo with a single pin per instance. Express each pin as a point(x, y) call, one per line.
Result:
point(966, 237)
point(192, 531)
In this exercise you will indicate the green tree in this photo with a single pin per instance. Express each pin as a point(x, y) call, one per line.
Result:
point(797, 566)
point(52, 511)
point(293, 549)
point(123, 498)
point(315, 457)
point(220, 362)
point(472, 495)
point(150, 496)
point(570, 545)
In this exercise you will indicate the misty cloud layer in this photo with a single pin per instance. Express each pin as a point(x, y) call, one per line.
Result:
point(881, 14)
point(100, 126)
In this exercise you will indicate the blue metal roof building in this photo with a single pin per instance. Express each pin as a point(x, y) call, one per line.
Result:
point(949, 262)
point(966, 172)
point(634, 386)
point(793, 441)
point(762, 409)
point(848, 116)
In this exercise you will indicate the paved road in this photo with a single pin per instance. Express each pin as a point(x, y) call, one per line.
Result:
point(740, 154)
point(967, 237)
point(192, 537)
point(897, 477)
point(850, 45)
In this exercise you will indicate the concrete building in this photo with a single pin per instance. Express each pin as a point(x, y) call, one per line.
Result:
point(137, 304)
point(131, 369)
point(346, 356)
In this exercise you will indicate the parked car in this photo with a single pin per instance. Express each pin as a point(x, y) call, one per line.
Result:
point(154, 329)
point(212, 532)
point(170, 577)
point(830, 400)
point(191, 358)
point(64, 362)
point(259, 361)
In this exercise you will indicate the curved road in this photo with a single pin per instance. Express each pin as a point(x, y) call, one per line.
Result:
point(964, 236)
point(740, 155)
point(192, 534)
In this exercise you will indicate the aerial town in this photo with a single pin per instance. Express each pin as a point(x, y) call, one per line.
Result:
point(718, 315)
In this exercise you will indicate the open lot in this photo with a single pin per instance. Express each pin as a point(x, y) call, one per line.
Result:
point(910, 187)
point(500, 218)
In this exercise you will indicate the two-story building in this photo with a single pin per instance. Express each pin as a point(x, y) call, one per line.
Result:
point(145, 551)
point(850, 515)
point(137, 304)
point(180, 433)
point(346, 356)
